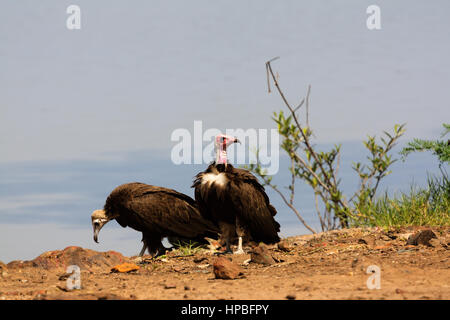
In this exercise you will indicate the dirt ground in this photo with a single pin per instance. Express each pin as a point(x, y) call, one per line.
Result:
point(331, 265)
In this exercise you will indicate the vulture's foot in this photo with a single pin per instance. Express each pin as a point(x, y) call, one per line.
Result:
point(239, 249)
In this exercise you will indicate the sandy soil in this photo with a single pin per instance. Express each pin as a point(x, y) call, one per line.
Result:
point(330, 265)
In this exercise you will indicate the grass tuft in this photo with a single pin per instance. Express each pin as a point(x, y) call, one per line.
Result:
point(187, 248)
point(419, 207)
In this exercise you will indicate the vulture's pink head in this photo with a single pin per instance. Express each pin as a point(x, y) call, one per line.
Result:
point(221, 143)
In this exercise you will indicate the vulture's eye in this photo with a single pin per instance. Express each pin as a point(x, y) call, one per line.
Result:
point(222, 139)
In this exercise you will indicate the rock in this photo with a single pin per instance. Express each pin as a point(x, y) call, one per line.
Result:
point(261, 255)
point(3, 270)
point(86, 259)
point(421, 237)
point(19, 264)
point(125, 267)
point(169, 286)
point(226, 269)
point(283, 245)
point(291, 297)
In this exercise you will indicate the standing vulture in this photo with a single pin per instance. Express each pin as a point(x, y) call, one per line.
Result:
point(157, 212)
point(235, 200)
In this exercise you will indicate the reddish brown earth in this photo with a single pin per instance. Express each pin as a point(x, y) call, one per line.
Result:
point(330, 265)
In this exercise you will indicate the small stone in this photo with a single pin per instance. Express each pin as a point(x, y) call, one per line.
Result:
point(291, 297)
point(169, 286)
point(422, 237)
point(125, 267)
point(284, 246)
point(226, 269)
point(261, 255)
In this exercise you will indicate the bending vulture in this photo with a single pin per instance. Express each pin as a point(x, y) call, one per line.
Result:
point(157, 212)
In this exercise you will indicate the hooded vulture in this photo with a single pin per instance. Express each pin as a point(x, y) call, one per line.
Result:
point(235, 200)
point(157, 212)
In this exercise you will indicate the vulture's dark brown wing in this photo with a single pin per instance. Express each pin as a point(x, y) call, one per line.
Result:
point(166, 211)
point(252, 206)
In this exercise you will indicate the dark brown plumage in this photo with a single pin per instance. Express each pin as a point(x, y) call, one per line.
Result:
point(237, 202)
point(157, 212)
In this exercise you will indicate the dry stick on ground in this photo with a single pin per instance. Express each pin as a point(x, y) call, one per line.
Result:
point(328, 183)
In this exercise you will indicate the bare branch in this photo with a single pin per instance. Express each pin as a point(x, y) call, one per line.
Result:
point(291, 200)
point(300, 105)
point(292, 208)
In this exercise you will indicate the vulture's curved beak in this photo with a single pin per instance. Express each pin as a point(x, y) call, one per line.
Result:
point(97, 228)
point(97, 225)
point(236, 140)
point(98, 219)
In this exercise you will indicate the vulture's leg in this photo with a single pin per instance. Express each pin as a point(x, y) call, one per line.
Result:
point(161, 250)
point(227, 232)
point(155, 246)
point(240, 231)
point(144, 247)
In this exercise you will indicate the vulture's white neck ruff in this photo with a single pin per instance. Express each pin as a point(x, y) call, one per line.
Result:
point(218, 179)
